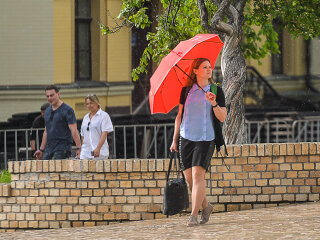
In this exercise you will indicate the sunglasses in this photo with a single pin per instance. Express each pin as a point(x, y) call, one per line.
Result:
point(88, 126)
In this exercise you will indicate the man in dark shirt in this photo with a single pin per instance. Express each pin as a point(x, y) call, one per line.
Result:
point(61, 128)
point(37, 123)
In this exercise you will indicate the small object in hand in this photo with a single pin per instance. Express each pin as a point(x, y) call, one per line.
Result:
point(92, 153)
point(212, 96)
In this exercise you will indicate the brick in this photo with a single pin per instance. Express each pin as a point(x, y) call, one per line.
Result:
point(292, 189)
point(279, 190)
point(61, 216)
point(290, 149)
point(305, 189)
point(98, 192)
point(253, 150)
point(297, 149)
point(312, 148)
point(66, 209)
point(90, 209)
point(151, 165)
point(33, 224)
point(93, 184)
point(248, 168)
point(314, 158)
point(109, 216)
point(77, 224)
point(76, 166)
point(237, 198)
point(135, 216)
point(107, 165)
point(96, 200)
point(78, 209)
point(303, 158)
point(22, 168)
point(236, 151)
point(121, 165)
point(16, 167)
point(72, 200)
point(254, 175)
point(301, 197)
point(154, 191)
point(30, 216)
point(273, 167)
point(233, 207)
point(136, 165)
point(245, 150)
point(275, 149)
point(123, 176)
point(292, 174)
point(50, 216)
point(114, 166)
point(308, 166)
point(96, 217)
point(242, 160)
point(261, 167)
point(305, 148)
point(43, 224)
point(121, 199)
point(276, 198)
point(133, 199)
point(273, 182)
point(267, 190)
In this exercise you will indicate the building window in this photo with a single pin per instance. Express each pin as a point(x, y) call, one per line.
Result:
point(82, 40)
point(277, 59)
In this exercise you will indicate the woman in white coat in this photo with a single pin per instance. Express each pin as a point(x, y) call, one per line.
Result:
point(94, 130)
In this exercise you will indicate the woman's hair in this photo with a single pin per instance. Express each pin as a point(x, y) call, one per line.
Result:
point(195, 65)
point(92, 97)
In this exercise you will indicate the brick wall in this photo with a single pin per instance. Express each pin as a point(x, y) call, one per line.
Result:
point(72, 193)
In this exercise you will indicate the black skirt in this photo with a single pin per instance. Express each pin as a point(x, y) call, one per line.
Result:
point(195, 153)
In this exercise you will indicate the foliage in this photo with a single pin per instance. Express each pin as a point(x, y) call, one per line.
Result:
point(5, 176)
point(179, 20)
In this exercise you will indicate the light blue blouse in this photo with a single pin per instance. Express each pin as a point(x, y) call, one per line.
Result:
point(197, 121)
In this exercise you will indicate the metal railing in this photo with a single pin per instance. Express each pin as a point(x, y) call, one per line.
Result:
point(153, 140)
point(306, 130)
point(274, 131)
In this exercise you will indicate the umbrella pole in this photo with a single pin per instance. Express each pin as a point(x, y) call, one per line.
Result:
point(191, 78)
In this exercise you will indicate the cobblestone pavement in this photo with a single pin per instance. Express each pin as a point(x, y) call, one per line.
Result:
point(298, 221)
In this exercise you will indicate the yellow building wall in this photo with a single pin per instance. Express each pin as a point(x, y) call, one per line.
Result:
point(63, 27)
point(294, 50)
point(118, 48)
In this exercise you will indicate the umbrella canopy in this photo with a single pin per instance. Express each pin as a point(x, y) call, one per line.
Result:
point(170, 76)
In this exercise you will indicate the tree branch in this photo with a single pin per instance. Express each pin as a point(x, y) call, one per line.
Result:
point(204, 16)
point(240, 5)
point(217, 20)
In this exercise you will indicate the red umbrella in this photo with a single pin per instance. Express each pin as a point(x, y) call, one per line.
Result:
point(170, 76)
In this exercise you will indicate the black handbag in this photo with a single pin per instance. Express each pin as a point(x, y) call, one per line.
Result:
point(176, 196)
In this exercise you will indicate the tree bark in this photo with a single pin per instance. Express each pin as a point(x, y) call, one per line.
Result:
point(233, 64)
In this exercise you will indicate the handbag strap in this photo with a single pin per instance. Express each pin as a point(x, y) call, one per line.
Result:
point(173, 156)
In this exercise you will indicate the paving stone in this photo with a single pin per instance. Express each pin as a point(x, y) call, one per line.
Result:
point(298, 221)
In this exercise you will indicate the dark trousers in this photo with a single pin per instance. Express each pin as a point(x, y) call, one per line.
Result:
point(60, 154)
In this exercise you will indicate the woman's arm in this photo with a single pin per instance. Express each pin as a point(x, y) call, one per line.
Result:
point(177, 123)
point(103, 137)
point(219, 112)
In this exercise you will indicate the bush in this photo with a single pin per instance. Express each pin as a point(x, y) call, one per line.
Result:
point(5, 176)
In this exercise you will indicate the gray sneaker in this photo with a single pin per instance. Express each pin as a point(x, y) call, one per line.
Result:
point(193, 221)
point(206, 214)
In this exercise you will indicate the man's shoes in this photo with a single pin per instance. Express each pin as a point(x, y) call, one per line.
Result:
point(193, 221)
point(206, 214)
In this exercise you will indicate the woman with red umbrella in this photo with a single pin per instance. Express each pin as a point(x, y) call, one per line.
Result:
point(200, 113)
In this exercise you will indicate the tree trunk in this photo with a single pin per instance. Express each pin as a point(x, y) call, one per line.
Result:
point(234, 69)
point(233, 65)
